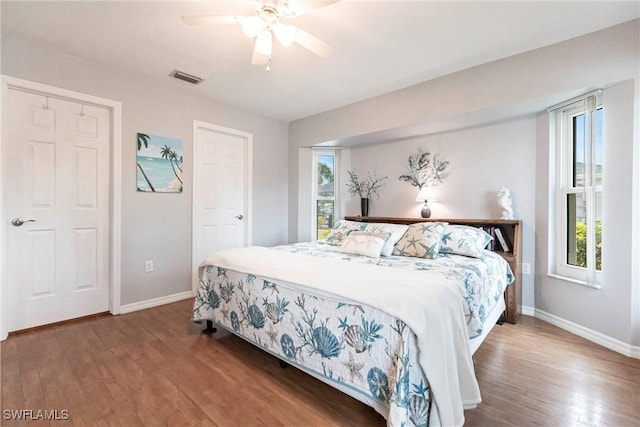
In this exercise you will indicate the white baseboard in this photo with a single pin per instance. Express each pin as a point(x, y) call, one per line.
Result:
point(141, 305)
point(528, 311)
point(586, 333)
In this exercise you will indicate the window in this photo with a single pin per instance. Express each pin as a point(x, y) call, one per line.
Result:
point(324, 192)
point(578, 236)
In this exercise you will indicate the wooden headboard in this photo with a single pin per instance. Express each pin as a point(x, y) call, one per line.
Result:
point(510, 231)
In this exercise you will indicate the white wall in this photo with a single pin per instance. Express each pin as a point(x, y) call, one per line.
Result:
point(482, 159)
point(158, 226)
point(501, 92)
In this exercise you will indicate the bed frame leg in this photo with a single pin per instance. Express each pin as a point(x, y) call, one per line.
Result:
point(500, 320)
point(209, 330)
point(283, 364)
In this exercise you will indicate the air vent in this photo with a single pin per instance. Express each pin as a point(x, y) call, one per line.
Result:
point(180, 75)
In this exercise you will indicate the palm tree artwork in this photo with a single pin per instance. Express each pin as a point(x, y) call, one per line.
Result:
point(167, 153)
point(143, 139)
point(159, 164)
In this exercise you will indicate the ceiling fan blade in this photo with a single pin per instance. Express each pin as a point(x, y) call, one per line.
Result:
point(212, 19)
point(295, 8)
point(313, 44)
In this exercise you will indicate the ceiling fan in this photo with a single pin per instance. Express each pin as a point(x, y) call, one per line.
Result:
point(266, 23)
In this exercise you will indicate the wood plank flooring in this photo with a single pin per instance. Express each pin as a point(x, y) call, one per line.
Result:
point(155, 368)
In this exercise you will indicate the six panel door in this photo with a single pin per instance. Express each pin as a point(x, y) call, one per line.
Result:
point(57, 174)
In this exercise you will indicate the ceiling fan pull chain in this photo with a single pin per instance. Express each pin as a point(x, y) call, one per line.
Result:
point(268, 65)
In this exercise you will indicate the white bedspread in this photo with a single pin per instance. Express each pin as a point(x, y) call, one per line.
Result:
point(428, 303)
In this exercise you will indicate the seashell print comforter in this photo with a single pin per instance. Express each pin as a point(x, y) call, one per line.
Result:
point(368, 350)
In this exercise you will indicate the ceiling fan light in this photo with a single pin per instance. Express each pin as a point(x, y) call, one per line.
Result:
point(286, 34)
point(264, 43)
point(252, 26)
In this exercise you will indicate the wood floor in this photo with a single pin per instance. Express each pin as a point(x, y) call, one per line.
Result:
point(153, 367)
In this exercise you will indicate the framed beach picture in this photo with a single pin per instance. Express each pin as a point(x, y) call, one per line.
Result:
point(159, 164)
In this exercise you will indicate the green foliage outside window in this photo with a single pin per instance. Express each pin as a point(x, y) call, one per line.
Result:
point(324, 229)
point(325, 174)
point(581, 243)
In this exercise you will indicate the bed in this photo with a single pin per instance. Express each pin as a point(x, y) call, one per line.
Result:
point(396, 332)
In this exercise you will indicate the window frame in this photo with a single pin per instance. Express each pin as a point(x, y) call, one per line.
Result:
point(316, 153)
point(562, 119)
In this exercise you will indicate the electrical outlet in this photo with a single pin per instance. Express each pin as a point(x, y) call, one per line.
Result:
point(526, 268)
point(148, 266)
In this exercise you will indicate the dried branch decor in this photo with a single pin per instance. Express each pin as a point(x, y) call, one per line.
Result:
point(425, 171)
point(366, 188)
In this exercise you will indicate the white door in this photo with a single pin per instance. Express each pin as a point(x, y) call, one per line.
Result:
point(57, 177)
point(220, 190)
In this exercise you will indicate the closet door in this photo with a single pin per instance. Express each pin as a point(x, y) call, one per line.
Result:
point(57, 178)
point(221, 188)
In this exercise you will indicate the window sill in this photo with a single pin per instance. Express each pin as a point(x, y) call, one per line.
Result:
point(575, 281)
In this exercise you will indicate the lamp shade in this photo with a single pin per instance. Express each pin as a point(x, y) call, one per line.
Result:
point(426, 193)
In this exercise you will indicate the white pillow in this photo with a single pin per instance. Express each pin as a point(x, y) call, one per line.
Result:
point(396, 232)
point(364, 243)
point(464, 240)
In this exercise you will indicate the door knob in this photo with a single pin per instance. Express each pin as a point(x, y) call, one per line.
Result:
point(239, 216)
point(19, 221)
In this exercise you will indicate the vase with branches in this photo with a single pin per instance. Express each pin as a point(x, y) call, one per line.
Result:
point(425, 170)
point(366, 188)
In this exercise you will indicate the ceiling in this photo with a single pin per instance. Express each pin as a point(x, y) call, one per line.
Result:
point(380, 46)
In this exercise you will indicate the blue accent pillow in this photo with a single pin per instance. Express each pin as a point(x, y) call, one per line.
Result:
point(342, 229)
point(422, 240)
